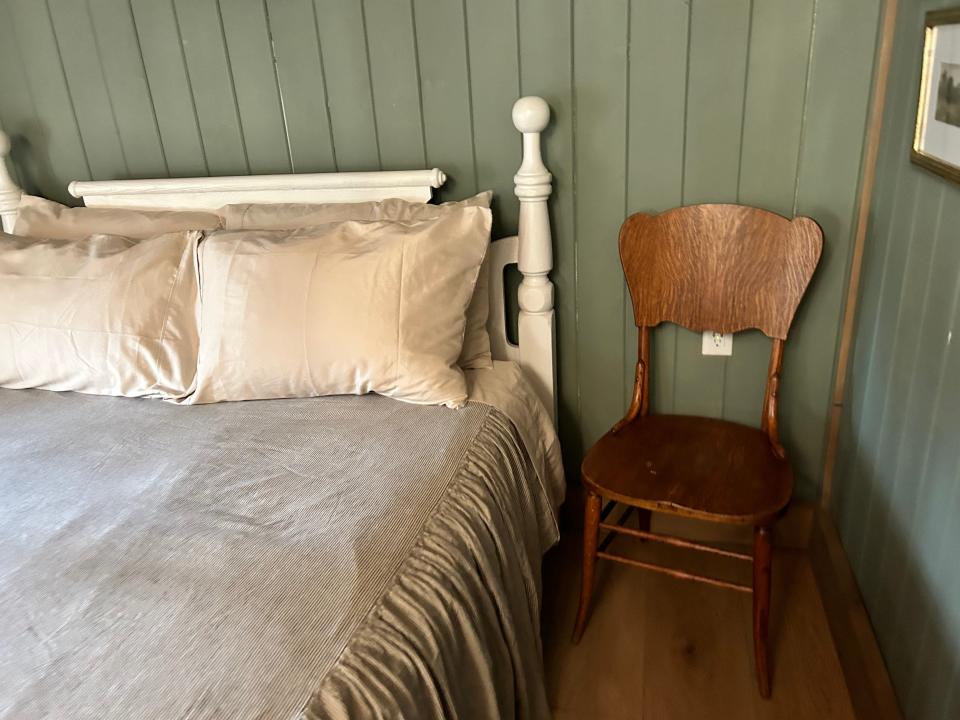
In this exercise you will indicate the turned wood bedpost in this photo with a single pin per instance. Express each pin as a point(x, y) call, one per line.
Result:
point(535, 253)
point(9, 191)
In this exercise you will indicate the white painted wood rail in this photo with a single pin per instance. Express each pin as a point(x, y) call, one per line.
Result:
point(533, 185)
point(210, 193)
point(9, 192)
point(531, 249)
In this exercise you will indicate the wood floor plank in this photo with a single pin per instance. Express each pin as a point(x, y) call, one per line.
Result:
point(658, 647)
point(574, 683)
point(698, 660)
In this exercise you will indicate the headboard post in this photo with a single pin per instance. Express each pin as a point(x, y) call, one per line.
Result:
point(535, 253)
point(9, 191)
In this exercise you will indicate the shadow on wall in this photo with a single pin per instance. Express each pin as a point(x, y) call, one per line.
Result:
point(29, 164)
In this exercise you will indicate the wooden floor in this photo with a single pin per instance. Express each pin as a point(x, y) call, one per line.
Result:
point(659, 648)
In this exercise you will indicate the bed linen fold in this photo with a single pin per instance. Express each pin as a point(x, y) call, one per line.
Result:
point(333, 557)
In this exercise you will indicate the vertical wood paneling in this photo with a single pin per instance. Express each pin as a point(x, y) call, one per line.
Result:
point(343, 42)
point(719, 44)
point(165, 66)
point(302, 84)
point(396, 86)
point(829, 171)
point(252, 73)
point(208, 65)
point(877, 364)
point(658, 98)
point(600, 136)
point(445, 92)
point(131, 99)
point(898, 471)
point(905, 324)
point(916, 372)
point(887, 194)
point(928, 473)
point(59, 136)
point(30, 165)
point(80, 55)
point(494, 85)
point(655, 103)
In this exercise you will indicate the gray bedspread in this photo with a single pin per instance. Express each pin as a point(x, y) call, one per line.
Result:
point(335, 557)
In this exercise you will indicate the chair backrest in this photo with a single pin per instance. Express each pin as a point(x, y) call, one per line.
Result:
point(719, 267)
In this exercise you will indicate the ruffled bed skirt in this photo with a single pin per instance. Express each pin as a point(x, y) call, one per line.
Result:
point(456, 635)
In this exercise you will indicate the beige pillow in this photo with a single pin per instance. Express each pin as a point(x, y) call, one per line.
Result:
point(342, 308)
point(290, 216)
point(40, 218)
point(105, 315)
point(476, 342)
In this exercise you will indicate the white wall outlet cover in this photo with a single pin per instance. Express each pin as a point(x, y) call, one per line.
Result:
point(715, 343)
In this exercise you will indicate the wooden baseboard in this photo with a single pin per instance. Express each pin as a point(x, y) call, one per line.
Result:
point(868, 682)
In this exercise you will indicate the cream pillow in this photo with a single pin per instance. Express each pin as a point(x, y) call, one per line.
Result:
point(342, 308)
point(290, 216)
point(105, 315)
point(40, 218)
point(476, 342)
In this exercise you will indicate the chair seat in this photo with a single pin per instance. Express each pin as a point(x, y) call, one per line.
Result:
point(694, 466)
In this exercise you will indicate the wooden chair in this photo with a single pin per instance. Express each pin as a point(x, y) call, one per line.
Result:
point(706, 267)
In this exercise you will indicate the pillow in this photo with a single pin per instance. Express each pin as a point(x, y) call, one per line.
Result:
point(342, 308)
point(105, 315)
point(476, 342)
point(290, 216)
point(40, 218)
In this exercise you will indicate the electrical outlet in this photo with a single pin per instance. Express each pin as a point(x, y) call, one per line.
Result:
point(715, 343)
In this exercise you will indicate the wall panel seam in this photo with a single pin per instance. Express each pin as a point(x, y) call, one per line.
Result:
point(846, 328)
point(373, 99)
point(276, 79)
point(323, 83)
point(743, 110)
point(574, 210)
point(625, 292)
point(233, 87)
point(146, 82)
point(416, 64)
point(473, 134)
point(66, 85)
point(106, 87)
point(803, 115)
point(193, 99)
point(683, 176)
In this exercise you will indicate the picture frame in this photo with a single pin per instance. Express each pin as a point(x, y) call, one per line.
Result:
point(936, 140)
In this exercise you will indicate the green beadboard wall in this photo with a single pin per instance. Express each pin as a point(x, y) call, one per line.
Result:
point(897, 481)
point(656, 103)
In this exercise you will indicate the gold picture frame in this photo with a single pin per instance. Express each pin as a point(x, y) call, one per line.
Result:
point(936, 139)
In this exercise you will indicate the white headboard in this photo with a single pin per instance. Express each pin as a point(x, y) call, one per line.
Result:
point(531, 249)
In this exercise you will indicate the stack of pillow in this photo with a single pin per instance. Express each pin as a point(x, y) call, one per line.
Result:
point(251, 302)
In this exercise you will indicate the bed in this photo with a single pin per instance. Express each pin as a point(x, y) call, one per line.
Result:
point(314, 558)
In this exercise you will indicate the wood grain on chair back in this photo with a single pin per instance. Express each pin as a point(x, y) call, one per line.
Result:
point(719, 267)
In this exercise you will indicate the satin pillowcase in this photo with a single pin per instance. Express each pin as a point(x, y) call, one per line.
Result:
point(341, 308)
point(476, 342)
point(41, 218)
point(105, 315)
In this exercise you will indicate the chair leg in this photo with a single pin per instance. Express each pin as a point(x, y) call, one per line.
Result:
point(762, 564)
point(591, 527)
point(643, 519)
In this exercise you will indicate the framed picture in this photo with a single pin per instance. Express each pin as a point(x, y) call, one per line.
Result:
point(936, 141)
